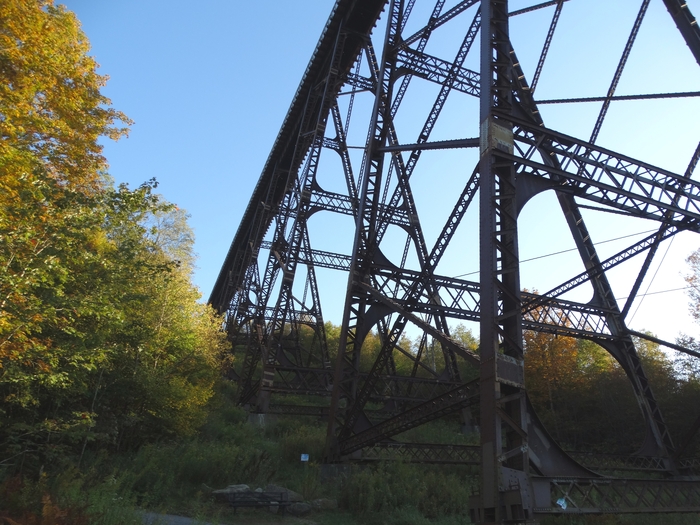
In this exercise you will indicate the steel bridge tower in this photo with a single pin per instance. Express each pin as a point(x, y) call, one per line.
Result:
point(344, 199)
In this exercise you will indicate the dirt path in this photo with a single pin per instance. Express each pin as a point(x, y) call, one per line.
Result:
point(151, 518)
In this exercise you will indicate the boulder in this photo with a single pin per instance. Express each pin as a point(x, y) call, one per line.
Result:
point(299, 509)
point(291, 495)
point(324, 504)
point(235, 488)
point(222, 494)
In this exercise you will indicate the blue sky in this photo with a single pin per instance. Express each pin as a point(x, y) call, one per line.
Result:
point(208, 85)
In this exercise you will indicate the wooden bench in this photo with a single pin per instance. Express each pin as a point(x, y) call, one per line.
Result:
point(259, 499)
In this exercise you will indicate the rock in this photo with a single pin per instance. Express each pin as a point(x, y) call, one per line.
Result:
point(291, 495)
point(324, 504)
point(222, 494)
point(299, 509)
point(236, 488)
point(258, 490)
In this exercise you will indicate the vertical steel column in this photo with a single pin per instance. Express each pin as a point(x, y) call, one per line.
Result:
point(354, 326)
point(505, 493)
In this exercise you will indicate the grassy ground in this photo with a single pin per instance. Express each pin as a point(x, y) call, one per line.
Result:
point(177, 477)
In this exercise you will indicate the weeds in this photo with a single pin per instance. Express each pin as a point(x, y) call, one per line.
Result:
point(65, 500)
point(177, 477)
point(396, 487)
point(157, 479)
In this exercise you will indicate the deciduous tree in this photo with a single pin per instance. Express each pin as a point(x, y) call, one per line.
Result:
point(102, 337)
point(52, 109)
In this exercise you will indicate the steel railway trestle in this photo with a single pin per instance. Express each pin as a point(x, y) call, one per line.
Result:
point(375, 58)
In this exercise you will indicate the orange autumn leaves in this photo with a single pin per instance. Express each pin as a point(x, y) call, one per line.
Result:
point(102, 337)
point(53, 112)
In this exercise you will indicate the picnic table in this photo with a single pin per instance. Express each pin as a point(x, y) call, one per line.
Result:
point(259, 499)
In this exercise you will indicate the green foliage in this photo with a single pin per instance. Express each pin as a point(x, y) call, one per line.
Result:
point(585, 398)
point(374, 494)
point(102, 340)
point(67, 499)
point(102, 337)
point(61, 255)
point(304, 439)
point(157, 480)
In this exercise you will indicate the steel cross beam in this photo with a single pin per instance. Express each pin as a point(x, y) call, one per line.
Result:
point(353, 328)
point(448, 403)
point(422, 453)
point(587, 171)
point(562, 496)
point(658, 440)
point(547, 44)
point(438, 453)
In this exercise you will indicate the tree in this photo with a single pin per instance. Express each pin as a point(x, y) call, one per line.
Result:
point(101, 331)
point(53, 112)
point(167, 345)
point(551, 373)
point(107, 336)
point(51, 171)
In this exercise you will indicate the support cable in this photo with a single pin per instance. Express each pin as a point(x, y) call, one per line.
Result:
point(564, 251)
point(652, 281)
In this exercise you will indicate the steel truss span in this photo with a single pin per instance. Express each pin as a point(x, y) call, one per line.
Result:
point(415, 153)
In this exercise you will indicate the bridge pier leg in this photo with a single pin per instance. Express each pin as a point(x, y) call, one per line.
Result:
point(505, 494)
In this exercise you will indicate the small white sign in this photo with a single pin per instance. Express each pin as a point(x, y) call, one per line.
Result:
point(305, 457)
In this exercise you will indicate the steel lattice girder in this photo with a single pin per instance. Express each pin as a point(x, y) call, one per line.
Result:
point(598, 496)
point(437, 453)
point(520, 157)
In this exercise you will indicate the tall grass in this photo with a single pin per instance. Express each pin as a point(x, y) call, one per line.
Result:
point(65, 499)
point(624, 519)
point(376, 493)
point(168, 475)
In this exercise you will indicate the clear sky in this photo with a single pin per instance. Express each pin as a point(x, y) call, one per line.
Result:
point(209, 83)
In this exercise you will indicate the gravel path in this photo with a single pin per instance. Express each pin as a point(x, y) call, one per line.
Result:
point(151, 518)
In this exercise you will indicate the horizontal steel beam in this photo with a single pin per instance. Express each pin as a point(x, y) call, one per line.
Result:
point(441, 453)
point(437, 70)
point(597, 174)
point(441, 144)
point(432, 453)
point(610, 496)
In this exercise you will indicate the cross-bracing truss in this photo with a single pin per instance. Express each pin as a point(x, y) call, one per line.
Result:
point(400, 139)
